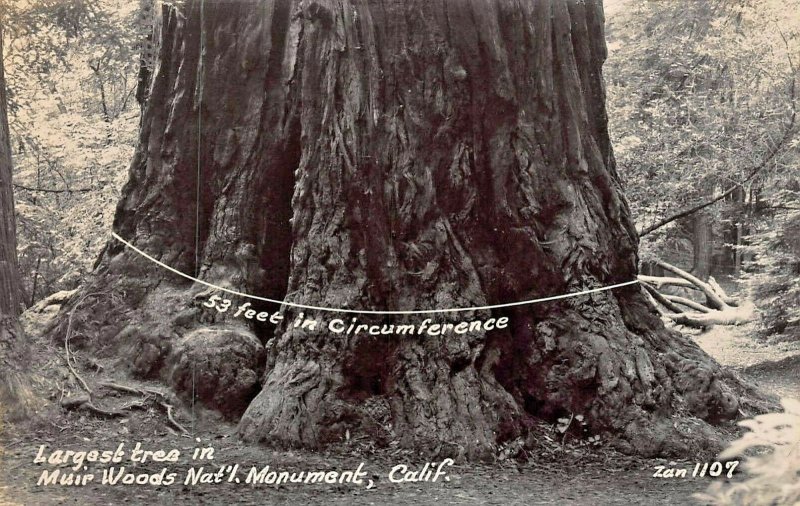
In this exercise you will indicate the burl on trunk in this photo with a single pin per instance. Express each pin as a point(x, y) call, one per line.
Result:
point(383, 154)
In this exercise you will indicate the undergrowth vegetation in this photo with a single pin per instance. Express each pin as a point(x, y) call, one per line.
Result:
point(71, 71)
point(775, 279)
point(772, 464)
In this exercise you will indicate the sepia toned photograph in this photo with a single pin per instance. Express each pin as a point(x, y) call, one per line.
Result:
point(399, 252)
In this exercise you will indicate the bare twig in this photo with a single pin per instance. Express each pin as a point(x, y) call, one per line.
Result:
point(66, 343)
point(659, 281)
point(771, 154)
point(168, 408)
point(52, 190)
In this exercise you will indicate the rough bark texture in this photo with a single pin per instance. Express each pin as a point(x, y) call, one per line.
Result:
point(10, 295)
point(402, 155)
point(15, 394)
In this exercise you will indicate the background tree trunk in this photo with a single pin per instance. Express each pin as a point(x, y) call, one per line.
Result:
point(702, 245)
point(10, 282)
point(398, 155)
point(16, 398)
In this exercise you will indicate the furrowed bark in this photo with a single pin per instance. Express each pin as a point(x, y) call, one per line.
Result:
point(17, 400)
point(397, 155)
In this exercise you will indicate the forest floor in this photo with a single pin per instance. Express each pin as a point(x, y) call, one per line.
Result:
point(561, 474)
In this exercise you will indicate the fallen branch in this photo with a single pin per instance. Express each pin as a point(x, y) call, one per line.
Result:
point(655, 294)
point(714, 298)
point(730, 316)
point(719, 290)
point(687, 302)
point(654, 302)
point(660, 281)
point(722, 309)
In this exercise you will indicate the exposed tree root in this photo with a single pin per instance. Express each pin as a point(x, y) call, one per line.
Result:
point(67, 352)
point(83, 403)
point(149, 398)
point(148, 395)
point(168, 408)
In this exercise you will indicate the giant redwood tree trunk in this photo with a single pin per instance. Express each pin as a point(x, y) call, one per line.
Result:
point(378, 154)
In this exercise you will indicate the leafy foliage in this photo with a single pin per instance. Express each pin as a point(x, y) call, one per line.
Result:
point(698, 94)
point(775, 281)
point(773, 470)
point(71, 68)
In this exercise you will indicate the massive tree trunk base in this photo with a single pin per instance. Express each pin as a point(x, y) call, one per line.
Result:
point(648, 390)
point(395, 155)
point(645, 389)
point(395, 390)
point(157, 329)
